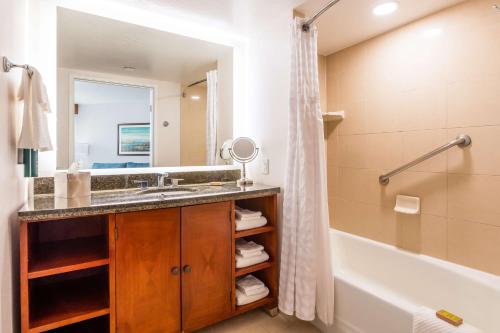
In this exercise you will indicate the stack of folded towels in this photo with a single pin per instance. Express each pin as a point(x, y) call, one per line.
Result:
point(249, 253)
point(250, 289)
point(247, 219)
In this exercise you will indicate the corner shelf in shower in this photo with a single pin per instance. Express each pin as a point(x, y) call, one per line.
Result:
point(334, 116)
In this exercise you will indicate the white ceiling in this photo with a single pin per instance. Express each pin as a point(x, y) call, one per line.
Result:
point(237, 15)
point(351, 21)
point(94, 43)
point(87, 92)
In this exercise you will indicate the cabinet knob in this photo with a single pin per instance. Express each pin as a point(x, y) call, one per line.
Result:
point(187, 269)
point(175, 270)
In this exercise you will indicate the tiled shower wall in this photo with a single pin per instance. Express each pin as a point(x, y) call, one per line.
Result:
point(405, 93)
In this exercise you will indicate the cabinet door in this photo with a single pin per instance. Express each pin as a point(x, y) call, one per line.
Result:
point(206, 260)
point(147, 283)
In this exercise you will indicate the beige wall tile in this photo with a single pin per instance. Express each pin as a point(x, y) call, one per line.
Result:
point(426, 234)
point(332, 143)
point(419, 143)
point(347, 59)
point(351, 86)
point(434, 237)
point(381, 110)
point(383, 150)
point(333, 180)
point(481, 157)
point(355, 120)
point(333, 91)
point(474, 102)
point(405, 94)
point(481, 55)
point(352, 151)
point(474, 198)
point(408, 232)
point(474, 244)
point(322, 83)
point(422, 109)
point(371, 221)
point(374, 151)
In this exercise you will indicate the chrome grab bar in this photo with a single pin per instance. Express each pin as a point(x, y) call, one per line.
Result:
point(463, 140)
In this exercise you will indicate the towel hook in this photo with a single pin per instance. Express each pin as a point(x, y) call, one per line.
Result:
point(8, 65)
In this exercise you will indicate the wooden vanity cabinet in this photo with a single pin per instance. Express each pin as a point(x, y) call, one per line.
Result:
point(206, 261)
point(166, 270)
point(157, 252)
point(148, 280)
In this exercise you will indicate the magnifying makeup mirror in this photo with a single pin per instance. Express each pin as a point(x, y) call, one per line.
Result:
point(243, 150)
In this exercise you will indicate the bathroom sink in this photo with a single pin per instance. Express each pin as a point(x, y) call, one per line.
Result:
point(169, 190)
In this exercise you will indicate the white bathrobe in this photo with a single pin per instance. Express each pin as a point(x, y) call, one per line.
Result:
point(35, 131)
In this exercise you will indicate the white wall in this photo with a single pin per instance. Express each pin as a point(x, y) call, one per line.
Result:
point(12, 20)
point(97, 126)
point(166, 140)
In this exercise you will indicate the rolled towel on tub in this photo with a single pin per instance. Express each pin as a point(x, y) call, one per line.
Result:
point(425, 321)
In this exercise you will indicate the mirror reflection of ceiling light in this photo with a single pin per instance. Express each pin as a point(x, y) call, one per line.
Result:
point(195, 97)
point(385, 8)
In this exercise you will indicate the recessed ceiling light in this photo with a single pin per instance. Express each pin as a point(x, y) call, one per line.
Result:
point(195, 97)
point(385, 8)
point(128, 68)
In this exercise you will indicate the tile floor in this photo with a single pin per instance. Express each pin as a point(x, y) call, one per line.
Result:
point(257, 321)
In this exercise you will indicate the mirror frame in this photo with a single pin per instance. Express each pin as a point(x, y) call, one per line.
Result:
point(43, 26)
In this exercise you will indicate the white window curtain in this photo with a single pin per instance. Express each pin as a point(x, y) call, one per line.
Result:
point(306, 279)
point(212, 115)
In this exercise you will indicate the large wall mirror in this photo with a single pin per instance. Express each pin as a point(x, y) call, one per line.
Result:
point(129, 96)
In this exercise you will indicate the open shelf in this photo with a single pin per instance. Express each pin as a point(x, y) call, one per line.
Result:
point(253, 268)
point(94, 325)
point(254, 305)
point(254, 231)
point(68, 299)
point(68, 255)
point(334, 116)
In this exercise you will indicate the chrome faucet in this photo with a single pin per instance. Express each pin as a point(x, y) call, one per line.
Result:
point(143, 184)
point(161, 179)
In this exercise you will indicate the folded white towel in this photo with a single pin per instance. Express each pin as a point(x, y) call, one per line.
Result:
point(425, 321)
point(35, 129)
point(248, 249)
point(250, 285)
point(242, 299)
point(250, 223)
point(243, 214)
point(245, 262)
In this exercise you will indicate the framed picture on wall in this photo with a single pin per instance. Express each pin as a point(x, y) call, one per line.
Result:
point(134, 139)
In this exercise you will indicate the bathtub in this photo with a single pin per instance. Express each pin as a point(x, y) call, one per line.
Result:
point(378, 287)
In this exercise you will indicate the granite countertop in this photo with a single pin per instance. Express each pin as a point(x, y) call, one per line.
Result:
point(46, 206)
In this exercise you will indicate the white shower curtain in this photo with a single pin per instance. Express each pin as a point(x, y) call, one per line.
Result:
point(211, 117)
point(306, 279)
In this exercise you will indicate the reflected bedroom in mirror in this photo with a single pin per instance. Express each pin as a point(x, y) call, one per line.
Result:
point(131, 97)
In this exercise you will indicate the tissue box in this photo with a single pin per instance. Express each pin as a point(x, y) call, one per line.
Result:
point(71, 185)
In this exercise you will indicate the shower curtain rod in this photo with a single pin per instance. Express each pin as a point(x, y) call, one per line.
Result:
point(307, 25)
point(197, 82)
